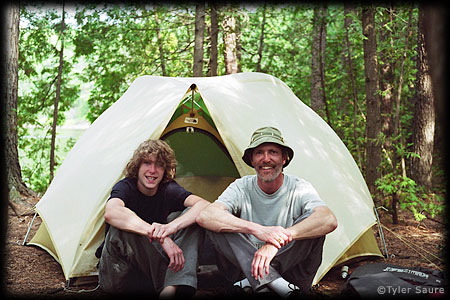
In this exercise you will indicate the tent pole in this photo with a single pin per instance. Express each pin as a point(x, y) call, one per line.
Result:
point(29, 228)
point(193, 87)
point(380, 230)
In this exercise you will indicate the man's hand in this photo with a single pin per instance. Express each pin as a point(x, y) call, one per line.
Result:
point(160, 231)
point(275, 235)
point(174, 253)
point(261, 260)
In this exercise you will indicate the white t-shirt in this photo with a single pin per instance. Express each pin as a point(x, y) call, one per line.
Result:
point(245, 199)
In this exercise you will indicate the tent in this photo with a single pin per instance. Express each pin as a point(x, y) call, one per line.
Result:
point(208, 121)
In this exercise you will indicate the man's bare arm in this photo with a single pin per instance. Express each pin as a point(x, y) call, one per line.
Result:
point(195, 203)
point(216, 217)
point(321, 222)
point(123, 218)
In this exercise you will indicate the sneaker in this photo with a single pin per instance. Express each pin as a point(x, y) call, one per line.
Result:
point(265, 292)
point(244, 285)
point(239, 291)
point(295, 293)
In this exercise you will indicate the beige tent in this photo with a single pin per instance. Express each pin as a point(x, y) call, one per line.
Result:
point(209, 132)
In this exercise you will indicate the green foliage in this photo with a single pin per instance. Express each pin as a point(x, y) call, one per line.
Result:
point(39, 47)
point(409, 195)
point(121, 43)
point(286, 44)
point(404, 189)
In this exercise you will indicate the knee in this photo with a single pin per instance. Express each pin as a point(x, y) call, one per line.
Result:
point(122, 242)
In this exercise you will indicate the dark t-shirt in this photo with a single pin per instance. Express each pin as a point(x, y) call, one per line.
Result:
point(169, 198)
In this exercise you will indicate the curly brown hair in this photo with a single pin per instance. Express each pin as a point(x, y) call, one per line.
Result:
point(163, 153)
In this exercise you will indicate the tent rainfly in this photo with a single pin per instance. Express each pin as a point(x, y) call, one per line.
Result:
point(209, 131)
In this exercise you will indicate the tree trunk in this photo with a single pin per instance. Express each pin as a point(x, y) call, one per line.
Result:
point(261, 41)
point(394, 211)
point(238, 44)
point(424, 114)
point(396, 126)
point(373, 128)
point(435, 28)
point(387, 87)
point(160, 45)
point(318, 99)
point(214, 33)
point(10, 89)
point(348, 58)
point(57, 96)
point(199, 36)
point(230, 42)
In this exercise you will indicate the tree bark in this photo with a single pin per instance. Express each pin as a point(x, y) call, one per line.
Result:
point(10, 90)
point(230, 42)
point(396, 125)
point(424, 114)
point(199, 37)
point(214, 33)
point(57, 96)
point(160, 45)
point(318, 99)
point(238, 44)
point(435, 29)
point(348, 58)
point(373, 127)
point(387, 87)
point(436, 44)
point(261, 41)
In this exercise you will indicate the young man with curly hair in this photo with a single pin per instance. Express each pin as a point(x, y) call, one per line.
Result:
point(152, 242)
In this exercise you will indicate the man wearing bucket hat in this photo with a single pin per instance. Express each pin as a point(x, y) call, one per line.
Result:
point(269, 228)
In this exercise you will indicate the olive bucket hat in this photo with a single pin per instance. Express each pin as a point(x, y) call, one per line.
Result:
point(267, 135)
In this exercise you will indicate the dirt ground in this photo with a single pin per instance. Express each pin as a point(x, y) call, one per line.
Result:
point(31, 271)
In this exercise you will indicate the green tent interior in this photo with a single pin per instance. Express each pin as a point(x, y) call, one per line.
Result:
point(204, 165)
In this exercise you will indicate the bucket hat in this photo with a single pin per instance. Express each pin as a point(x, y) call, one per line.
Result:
point(267, 135)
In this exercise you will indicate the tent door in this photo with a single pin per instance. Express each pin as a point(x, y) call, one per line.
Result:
point(204, 165)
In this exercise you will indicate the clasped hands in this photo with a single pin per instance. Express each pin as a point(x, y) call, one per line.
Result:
point(161, 233)
point(275, 238)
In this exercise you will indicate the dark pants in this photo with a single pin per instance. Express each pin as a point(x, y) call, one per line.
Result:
point(296, 262)
point(130, 263)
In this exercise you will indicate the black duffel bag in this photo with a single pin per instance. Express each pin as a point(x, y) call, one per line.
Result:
point(381, 279)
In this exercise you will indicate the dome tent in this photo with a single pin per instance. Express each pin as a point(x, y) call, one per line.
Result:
point(209, 133)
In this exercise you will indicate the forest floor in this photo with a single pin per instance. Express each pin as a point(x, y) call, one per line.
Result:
point(31, 271)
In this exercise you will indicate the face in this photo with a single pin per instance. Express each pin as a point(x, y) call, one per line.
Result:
point(150, 175)
point(268, 161)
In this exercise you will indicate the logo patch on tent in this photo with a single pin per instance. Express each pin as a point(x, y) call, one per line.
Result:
point(188, 120)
